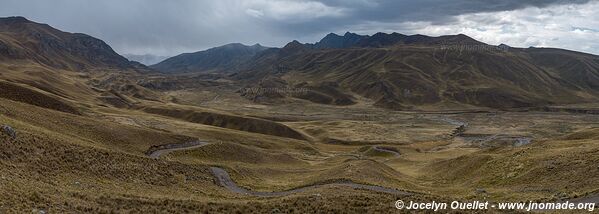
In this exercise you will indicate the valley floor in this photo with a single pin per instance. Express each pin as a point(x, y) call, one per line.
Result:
point(352, 159)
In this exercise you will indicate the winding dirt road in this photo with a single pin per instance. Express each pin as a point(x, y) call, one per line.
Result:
point(383, 149)
point(224, 180)
point(156, 151)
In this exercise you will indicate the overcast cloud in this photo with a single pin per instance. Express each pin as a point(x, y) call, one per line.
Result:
point(162, 27)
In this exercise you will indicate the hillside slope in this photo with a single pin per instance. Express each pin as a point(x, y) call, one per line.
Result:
point(21, 39)
point(419, 71)
point(223, 58)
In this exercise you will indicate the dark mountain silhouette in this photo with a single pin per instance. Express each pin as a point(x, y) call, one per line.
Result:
point(402, 72)
point(224, 58)
point(349, 40)
point(146, 59)
point(52, 69)
point(21, 39)
point(395, 71)
point(332, 40)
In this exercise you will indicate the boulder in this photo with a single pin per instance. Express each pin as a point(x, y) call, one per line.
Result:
point(7, 130)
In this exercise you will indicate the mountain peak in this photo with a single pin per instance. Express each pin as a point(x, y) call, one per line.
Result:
point(229, 46)
point(221, 58)
point(381, 39)
point(330, 36)
point(19, 21)
point(293, 47)
point(349, 34)
point(457, 39)
point(55, 48)
point(293, 43)
point(333, 40)
point(14, 19)
point(464, 36)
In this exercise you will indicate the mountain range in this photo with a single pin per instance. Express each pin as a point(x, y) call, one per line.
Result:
point(352, 40)
point(220, 59)
point(394, 71)
point(46, 67)
point(402, 72)
point(146, 59)
point(21, 39)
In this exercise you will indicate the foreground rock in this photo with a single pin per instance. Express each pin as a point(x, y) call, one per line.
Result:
point(7, 130)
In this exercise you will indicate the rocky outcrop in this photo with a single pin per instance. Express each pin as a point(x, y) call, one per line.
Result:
point(9, 131)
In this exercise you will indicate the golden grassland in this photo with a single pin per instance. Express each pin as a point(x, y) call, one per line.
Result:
point(53, 171)
point(94, 160)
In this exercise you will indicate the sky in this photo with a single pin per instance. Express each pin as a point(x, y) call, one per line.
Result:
point(167, 28)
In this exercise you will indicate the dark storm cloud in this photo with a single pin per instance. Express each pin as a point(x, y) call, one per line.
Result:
point(141, 26)
point(443, 11)
point(169, 27)
point(435, 11)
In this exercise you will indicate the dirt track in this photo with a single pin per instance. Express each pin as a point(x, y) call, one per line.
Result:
point(383, 149)
point(157, 151)
point(224, 180)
